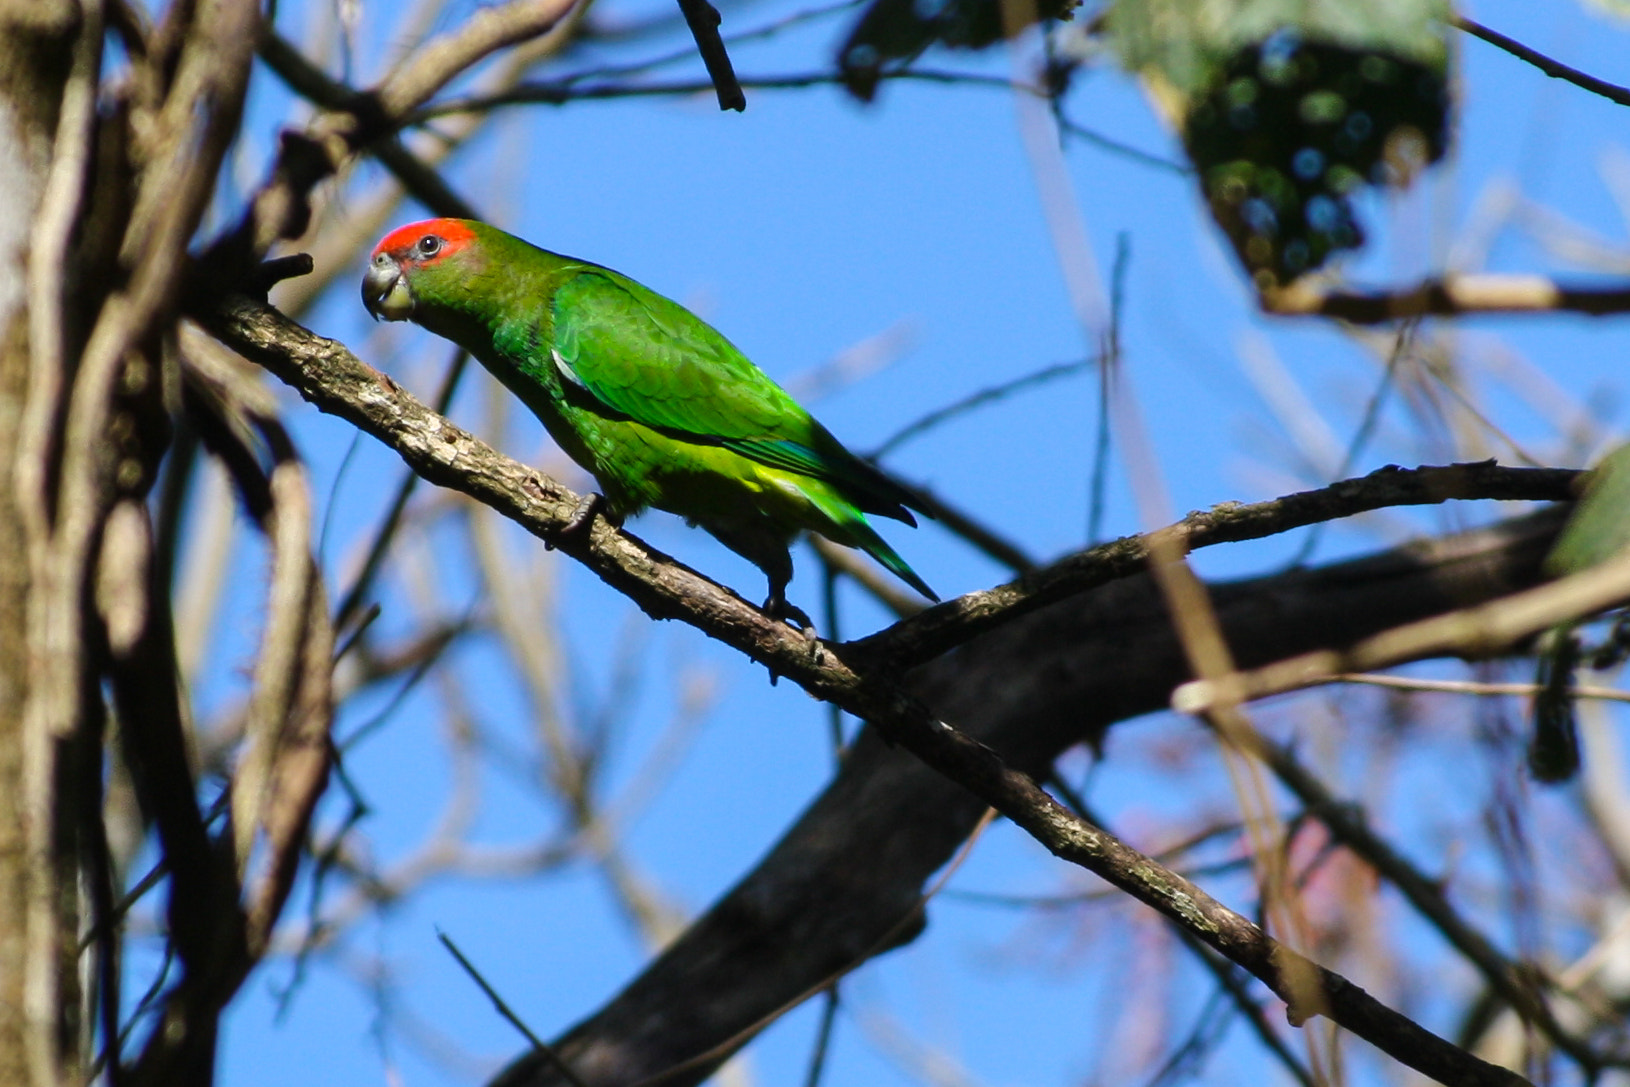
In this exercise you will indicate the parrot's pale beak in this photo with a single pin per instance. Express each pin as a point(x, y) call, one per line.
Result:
point(385, 291)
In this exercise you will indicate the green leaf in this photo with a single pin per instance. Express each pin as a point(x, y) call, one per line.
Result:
point(1553, 749)
point(899, 30)
point(1600, 525)
point(1613, 9)
point(1288, 107)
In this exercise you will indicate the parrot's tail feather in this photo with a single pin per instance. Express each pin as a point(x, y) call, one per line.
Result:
point(885, 554)
point(848, 526)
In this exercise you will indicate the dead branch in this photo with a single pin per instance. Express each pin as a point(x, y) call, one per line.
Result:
point(1449, 296)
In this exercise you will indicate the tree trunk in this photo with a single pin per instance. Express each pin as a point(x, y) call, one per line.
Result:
point(39, 1035)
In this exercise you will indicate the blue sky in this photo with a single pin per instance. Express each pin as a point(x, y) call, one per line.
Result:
point(801, 228)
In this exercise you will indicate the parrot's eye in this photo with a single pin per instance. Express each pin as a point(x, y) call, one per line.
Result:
point(429, 245)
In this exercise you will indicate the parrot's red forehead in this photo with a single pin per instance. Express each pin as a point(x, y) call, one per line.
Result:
point(454, 233)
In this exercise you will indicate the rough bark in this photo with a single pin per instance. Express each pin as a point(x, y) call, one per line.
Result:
point(844, 884)
point(35, 44)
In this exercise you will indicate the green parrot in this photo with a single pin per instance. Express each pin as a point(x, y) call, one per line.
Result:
point(659, 407)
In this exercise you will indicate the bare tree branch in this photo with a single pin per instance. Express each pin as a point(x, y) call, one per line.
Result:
point(1483, 631)
point(1445, 297)
point(1550, 66)
point(703, 20)
point(943, 627)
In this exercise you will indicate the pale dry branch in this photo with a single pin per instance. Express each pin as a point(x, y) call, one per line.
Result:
point(1474, 633)
point(354, 121)
point(38, 913)
point(1449, 296)
point(299, 775)
point(1475, 687)
point(345, 228)
point(69, 473)
point(277, 664)
point(285, 769)
point(439, 61)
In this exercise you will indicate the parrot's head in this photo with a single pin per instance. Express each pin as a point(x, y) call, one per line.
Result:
point(410, 263)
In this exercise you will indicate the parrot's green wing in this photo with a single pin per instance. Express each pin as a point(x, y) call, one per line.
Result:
point(657, 363)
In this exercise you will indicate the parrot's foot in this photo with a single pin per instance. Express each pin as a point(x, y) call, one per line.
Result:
point(776, 607)
point(582, 516)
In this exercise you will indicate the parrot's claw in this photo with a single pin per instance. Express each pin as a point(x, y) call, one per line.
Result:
point(776, 607)
point(582, 517)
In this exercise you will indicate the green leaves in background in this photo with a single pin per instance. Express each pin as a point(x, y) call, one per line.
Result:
point(1553, 749)
point(1288, 107)
point(899, 30)
point(1598, 530)
point(1600, 525)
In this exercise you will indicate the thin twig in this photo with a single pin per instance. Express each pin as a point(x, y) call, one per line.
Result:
point(1109, 366)
point(560, 92)
point(374, 557)
point(1366, 426)
point(1347, 825)
point(441, 60)
point(678, 55)
point(1462, 686)
point(1226, 973)
point(1551, 67)
point(703, 19)
point(504, 1010)
point(823, 1038)
point(989, 395)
